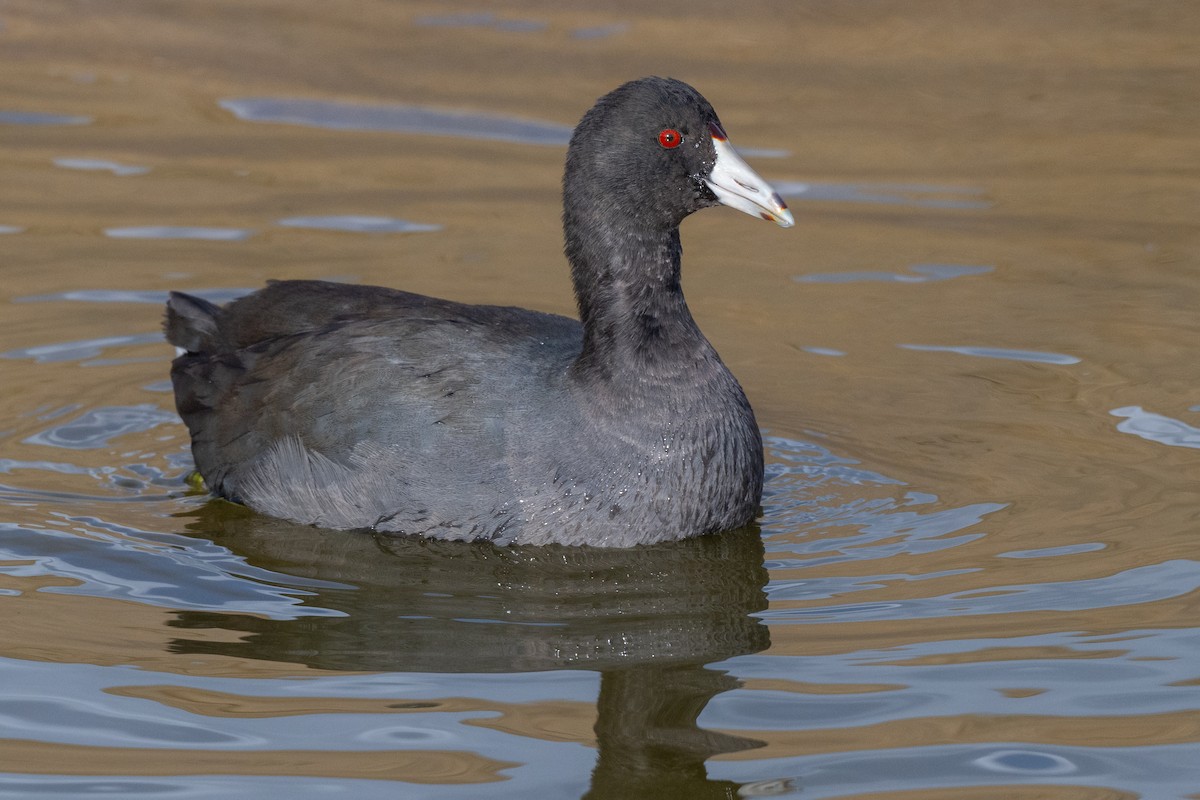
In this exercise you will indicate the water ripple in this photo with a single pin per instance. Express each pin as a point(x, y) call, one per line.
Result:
point(100, 165)
point(158, 569)
point(345, 115)
point(1027, 762)
point(1146, 584)
point(925, 273)
point(1159, 771)
point(1156, 428)
point(40, 118)
point(358, 224)
point(82, 349)
point(902, 194)
point(1033, 356)
point(1053, 552)
point(1072, 675)
point(93, 429)
point(217, 787)
point(804, 493)
point(55, 718)
point(121, 296)
point(179, 232)
point(600, 31)
point(482, 19)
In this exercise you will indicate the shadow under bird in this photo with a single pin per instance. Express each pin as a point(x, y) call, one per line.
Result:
point(349, 406)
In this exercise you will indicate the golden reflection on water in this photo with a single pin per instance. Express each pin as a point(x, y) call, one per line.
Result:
point(101, 631)
point(410, 766)
point(1073, 124)
point(552, 721)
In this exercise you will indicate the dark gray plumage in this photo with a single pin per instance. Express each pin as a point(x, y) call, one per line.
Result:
point(364, 407)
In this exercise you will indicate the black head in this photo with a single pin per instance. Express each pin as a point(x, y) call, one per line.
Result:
point(646, 154)
point(642, 151)
point(644, 157)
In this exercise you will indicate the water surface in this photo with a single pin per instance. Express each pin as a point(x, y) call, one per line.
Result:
point(976, 572)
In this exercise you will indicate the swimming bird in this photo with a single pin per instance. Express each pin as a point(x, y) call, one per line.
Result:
point(347, 406)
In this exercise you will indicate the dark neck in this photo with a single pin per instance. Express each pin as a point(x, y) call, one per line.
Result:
point(635, 320)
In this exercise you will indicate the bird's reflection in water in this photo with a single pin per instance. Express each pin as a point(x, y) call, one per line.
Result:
point(648, 620)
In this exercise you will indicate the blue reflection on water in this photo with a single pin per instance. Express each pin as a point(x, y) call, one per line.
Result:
point(803, 494)
point(96, 700)
point(1053, 552)
point(1032, 356)
point(223, 787)
point(358, 224)
point(345, 115)
point(179, 232)
point(600, 31)
point(482, 19)
point(158, 569)
point(221, 295)
point(1156, 427)
point(1160, 771)
point(41, 118)
point(1144, 584)
point(100, 165)
point(921, 273)
point(96, 427)
point(82, 349)
point(52, 717)
point(918, 195)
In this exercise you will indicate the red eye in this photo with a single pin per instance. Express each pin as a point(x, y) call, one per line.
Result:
point(669, 137)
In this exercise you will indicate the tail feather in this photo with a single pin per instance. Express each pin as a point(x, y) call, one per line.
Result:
point(191, 323)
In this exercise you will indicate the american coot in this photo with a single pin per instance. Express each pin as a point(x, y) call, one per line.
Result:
point(363, 407)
